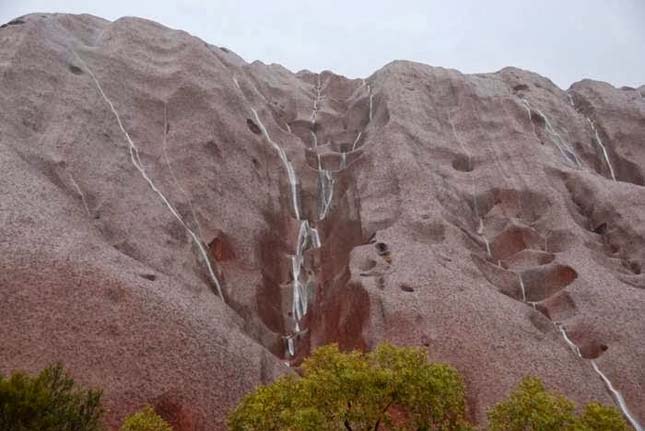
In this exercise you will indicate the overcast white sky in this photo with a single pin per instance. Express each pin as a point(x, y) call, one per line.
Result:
point(565, 40)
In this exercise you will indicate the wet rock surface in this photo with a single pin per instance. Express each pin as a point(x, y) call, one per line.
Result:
point(157, 245)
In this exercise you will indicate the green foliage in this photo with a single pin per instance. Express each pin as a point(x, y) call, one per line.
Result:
point(50, 401)
point(391, 388)
point(531, 407)
point(145, 420)
point(597, 417)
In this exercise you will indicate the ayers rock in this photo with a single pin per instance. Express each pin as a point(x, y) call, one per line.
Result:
point(160, 195)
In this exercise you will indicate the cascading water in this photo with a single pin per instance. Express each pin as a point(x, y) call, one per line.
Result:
point(136, 162)
point(325, 190)
point(596, 139)
point(302, 281)
point(570, 156)
point(291, 174)
point(480, 232)
point(314, 112)
point(567, 340)
point(358, 137)
point(602, 147)
point(519, 275)
point(308, 237)
point(326, 179)
point(616, 395)
point(567, 152)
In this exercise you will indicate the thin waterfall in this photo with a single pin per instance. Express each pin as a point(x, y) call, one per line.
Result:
point(314, 112)
point(291, 348)
point(291, 174)
point(519, 275)
point(597, 139)
point(358, 137)
point(480, 232)
point(564, 148)
point(136, 162)
point(604, 150)
point(570, 156)
point(237, 84)
point(567, 152)
point(616, 395)
point(325, 189)
point(574, 347)
point(308, 237)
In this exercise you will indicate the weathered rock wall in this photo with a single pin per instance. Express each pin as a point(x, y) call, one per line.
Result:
point(490, 218)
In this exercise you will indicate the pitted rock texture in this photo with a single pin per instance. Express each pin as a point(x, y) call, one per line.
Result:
point(464, 213)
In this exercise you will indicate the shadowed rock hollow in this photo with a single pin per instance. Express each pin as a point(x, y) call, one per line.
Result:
point(494, 219)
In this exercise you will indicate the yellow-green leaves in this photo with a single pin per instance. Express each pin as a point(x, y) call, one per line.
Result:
point(597, 417)
point(145, 420)
point(531, 407)
point(393, 388)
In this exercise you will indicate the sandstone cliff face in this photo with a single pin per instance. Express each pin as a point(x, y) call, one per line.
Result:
point(178, 226)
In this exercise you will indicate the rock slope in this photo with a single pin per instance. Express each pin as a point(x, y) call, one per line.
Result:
point(178, 226)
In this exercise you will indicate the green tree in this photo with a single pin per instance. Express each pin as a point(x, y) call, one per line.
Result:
point(49, 401)
point(145, 420)
point(530, 407)
point(391, 388)
point(597, 417)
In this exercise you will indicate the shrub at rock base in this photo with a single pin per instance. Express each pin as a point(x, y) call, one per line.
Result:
point(389, 388)
point(145, 420)
point(49, 401)
point(532, 408)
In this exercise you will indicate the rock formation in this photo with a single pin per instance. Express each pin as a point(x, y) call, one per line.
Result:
point(178, 226)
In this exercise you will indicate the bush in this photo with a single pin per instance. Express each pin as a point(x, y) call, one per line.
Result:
point(392, 387)
point(530, 407)
point(145, 420)
point(50, 401)
point(597, 417)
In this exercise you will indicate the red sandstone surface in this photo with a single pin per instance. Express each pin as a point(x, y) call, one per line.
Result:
point(480, 216)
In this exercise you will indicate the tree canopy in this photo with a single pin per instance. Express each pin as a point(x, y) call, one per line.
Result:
point(391, 388)
point(49, 401)
point(531, 407)
point(145, 419)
